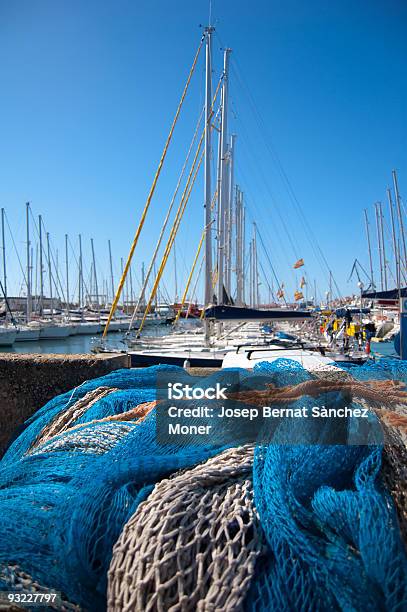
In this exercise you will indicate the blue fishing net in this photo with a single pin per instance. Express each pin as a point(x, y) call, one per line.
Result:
point(332, 536)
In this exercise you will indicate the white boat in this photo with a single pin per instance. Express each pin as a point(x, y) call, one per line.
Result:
point(8, 336)
point(53, 331)
point(88, 327)
point(248, 357)
point(28, 333)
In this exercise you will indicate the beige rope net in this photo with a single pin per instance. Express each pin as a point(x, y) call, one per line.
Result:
point(81, 437)
point(65, 419)
point(192, 545)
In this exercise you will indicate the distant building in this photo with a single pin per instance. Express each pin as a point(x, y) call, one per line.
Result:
point(19, 304)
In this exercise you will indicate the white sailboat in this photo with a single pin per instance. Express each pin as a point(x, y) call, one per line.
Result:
point(8, 336)
point(29, 332)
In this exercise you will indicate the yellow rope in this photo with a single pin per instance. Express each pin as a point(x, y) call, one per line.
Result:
point(170, 241)
point(192, 270)
point(180, 212)
point(164, 226)
point(150, 195)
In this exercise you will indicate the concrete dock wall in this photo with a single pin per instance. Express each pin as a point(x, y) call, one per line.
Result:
point(27, 382)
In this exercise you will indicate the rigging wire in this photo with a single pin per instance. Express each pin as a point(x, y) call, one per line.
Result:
point(320, 256)
point(15, 249)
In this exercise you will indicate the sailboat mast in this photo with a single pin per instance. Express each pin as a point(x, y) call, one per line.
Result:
point(379, 245)
point(383, 246)
point(330, 288)
point(28, 263)
point(143, 280)
point(255, 270)
point(393, 235)
point(3, 242)
point(124, 288)
point(369, 250)
point(251, 273)
point(67, 273)
point(400, 216)
point(207, 172)
point(94, 273)
point(111, 269)
point(50, 277)
point(243, 247)
point(175, 273)
point(229, 225)
point(80, 297)
point(223, 201)
point(238, 217)
point(131, 287)
point(41, 301)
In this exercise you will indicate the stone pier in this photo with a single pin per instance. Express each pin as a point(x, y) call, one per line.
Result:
point(27, 382)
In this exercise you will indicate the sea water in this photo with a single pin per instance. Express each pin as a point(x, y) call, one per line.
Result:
point(77, 344)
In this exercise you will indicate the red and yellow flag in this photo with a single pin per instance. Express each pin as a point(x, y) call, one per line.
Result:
point(280, 292)
point(302, 283)
point(298, 296)
point(298, 264)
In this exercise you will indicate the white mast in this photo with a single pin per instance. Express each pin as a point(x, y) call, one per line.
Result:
point(400, 217)
point(370, 251)
point(251, 275)
point(131, 287)
point(143, 280)
point(94, 272)
point(243, 247)
point(50, 277)
point(383, 246)
point(3, 241)
point(80, 297)
point(67, 274)
point(111, 269)
point(207, 173)
point(255, 269)
point(41, 266)
point(379, 243)
point(29, 306)
point(229, 216)
point(393, 234)
point(239, 259)
point(223, 196)
point(175, 273)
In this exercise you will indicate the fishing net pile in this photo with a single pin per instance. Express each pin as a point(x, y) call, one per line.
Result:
point(309, 517)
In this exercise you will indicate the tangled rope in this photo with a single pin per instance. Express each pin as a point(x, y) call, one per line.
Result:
point(192, 545)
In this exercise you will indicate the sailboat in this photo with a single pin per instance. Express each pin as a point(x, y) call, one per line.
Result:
point(8, 336)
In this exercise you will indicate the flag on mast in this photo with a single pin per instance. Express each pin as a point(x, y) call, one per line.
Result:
point(280, 292)
point(298, 264)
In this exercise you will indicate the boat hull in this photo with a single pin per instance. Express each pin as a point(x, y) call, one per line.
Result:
point(236, 313)
point(195, 361)
point(7, 338)
point(28, 335)
point(84, 329)
point(54, 332)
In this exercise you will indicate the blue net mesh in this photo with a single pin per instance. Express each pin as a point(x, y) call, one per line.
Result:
point(332, 535)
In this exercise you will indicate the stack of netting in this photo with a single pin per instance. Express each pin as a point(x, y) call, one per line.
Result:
point(92, 506)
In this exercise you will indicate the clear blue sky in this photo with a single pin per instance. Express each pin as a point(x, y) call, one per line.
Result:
point(89, 90)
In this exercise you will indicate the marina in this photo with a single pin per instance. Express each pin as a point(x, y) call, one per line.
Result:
point(203, 308)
